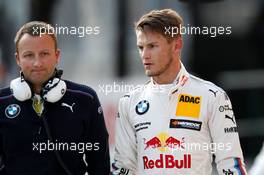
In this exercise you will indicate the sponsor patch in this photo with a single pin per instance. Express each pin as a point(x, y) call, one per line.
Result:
point(223, 108)
point(230, 129)
point(12, 111)
point(124, 171)
point(100, 110)
point(142, 107)
point(188, 106)
point(228, 172)
point(141, 126)
point(185, 124)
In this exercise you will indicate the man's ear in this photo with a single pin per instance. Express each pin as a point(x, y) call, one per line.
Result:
point(177, 45)
point(57, 54)
point(17, 58)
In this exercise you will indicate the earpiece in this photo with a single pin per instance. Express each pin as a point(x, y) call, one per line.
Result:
point(51, 92)
point(20, 89)
point(54, 90)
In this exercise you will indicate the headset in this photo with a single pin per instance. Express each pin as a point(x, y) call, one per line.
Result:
point(52, 91)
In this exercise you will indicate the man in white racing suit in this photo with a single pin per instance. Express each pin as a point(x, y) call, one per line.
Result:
point(176, 122)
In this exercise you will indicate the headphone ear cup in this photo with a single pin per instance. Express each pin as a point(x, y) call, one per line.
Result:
point(20, 89)
point(54, 91)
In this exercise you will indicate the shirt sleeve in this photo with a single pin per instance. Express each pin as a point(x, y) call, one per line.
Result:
point(223, 129)
point(125, 158)
point(2, 165)
point(98, 159)
point(257, 167)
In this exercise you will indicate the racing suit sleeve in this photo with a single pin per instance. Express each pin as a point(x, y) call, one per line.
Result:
point(257, 167)
point(125, 158)
point(223, 129)
point(98, 159)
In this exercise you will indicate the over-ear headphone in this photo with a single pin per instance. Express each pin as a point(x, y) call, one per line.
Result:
point(52, 91)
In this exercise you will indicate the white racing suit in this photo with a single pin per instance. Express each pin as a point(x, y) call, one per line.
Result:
point(175, 130)
point(257, 167)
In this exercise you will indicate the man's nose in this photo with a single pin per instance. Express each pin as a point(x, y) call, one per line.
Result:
point(145, 54)
point(37, 62)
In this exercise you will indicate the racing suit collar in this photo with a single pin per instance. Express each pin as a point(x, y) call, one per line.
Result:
point(178, 83)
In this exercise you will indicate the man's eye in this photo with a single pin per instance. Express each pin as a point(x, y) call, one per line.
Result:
point(151, 46)
point(45, 54)
point(140, 48)
point(28, 55)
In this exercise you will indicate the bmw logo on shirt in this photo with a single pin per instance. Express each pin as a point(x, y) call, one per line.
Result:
point(142, 107)
point(12, 111)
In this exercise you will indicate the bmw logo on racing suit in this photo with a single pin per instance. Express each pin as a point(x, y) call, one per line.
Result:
point(142, 107)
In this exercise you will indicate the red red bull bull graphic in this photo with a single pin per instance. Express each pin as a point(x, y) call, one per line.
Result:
point(168, 161)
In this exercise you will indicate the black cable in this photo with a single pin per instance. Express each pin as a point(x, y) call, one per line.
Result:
point(47, 129)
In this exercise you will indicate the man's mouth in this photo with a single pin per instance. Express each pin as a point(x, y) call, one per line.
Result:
point(147, 65)
point(38, 70)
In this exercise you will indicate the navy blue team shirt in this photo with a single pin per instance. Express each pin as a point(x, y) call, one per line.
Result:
point(76, 125)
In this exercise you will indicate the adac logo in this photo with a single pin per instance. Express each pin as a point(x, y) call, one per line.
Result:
point(164, 142)
point(189, 99)
point(142, 107)
point(188, 106)
point(12, 111)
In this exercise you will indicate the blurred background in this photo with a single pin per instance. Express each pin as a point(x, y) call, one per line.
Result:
point(106, 58)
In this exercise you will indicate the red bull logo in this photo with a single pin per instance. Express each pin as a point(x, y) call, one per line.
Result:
point(173, 143)
point(152, 143)
point(168, 161)
point(163, 141)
